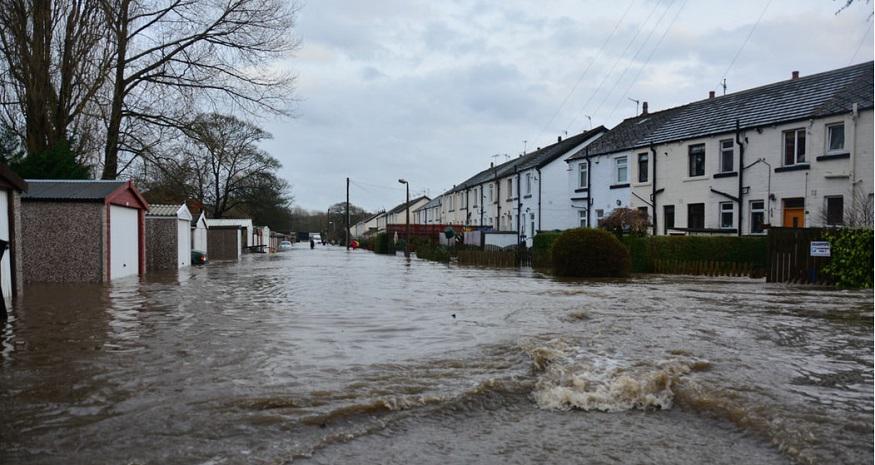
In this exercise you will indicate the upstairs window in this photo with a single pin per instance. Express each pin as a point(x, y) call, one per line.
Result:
point(643, 167)
point(583, 175)
point(835, 138)
point(697, 160)
point(491, 197)
point(510, 189)
point(794, 147)
point(727, 155)
point(621, 170)
point(528, 183)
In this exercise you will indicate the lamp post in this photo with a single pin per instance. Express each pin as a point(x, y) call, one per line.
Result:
point(407, 228)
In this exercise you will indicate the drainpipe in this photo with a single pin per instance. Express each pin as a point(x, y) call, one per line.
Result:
point(467, 206)
point(855, 113)
point(498, 201)
point(589, 201)
point(519, 206)
point(740, 175)
point(653, 190)
point(482, 205)
point(539, 200)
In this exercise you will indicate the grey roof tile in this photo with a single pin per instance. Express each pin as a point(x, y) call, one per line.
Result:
point(88, 190)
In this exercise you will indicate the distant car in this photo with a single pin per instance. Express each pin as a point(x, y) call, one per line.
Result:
point(317, 238)
point(198, 257)
point(285, 245)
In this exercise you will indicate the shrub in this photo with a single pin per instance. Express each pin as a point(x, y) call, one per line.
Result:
point(429, 251)
point(589, 252)
point(851, 262)
point(383, 245)
point(626, 221)
point(542, 243)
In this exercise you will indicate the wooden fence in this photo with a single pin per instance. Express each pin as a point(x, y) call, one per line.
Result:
point(707, 268)
point(790, 260)
point(498, 258)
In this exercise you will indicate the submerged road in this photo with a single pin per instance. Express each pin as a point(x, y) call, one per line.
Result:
point(332, 357)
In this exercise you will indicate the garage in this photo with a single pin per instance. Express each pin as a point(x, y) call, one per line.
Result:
point(168, 237)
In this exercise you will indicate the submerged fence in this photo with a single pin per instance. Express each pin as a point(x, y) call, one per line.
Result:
point(790, 259)
point(497, 258)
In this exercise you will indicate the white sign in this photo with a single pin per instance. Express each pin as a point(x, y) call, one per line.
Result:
point(819, 249)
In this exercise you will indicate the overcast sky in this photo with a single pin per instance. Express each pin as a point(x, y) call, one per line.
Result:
point(431, 90)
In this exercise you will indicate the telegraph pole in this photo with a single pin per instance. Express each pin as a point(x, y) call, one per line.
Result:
point(347, 213)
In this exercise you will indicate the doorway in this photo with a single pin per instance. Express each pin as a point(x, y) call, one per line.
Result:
point(794, 213)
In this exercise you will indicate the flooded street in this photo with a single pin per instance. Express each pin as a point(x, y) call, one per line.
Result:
point(333, 357)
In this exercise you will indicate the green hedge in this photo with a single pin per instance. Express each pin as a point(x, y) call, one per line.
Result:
point(542, 245)
point(645, 250)
point(383, 245)
point(851, 262)
point(430, 251)
point(590, 253)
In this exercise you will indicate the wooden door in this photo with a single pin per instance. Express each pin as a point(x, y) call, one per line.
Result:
point(794, 217)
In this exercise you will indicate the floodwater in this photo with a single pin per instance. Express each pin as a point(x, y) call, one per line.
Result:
point(333, 357)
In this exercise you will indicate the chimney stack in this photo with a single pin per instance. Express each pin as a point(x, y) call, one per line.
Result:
point(644, 108)
point(710, 94)
point(795, 75)
point(558, 139)
point(492, 164)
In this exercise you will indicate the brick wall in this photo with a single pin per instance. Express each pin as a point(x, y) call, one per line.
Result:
point(161, 244)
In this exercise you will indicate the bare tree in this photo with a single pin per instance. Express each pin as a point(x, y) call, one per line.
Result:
point(173, 55)
point(54, 58)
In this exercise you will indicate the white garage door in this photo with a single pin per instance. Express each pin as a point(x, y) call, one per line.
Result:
point(5, 268)
point(184, 231)
point(124, 255)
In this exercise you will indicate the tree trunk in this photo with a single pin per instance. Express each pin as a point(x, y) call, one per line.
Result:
point(110, 157)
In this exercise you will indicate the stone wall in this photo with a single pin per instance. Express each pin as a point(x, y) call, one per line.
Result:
point(161, 244)
point(63, 241)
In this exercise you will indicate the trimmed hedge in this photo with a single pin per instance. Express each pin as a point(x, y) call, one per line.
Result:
point(383, 245)
point(429, 251)
point(589, 253)
point(542, 245)
point(851, 261)
point(645, 250)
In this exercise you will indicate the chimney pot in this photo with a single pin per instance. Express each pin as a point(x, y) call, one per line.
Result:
point(491, 164)
point(644, 108)
point(795, 75)
point(711, 94)
point(559, 139)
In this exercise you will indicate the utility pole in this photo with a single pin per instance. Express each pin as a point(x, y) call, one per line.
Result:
point(347, 213)
point(407, 228)
point(723, 84)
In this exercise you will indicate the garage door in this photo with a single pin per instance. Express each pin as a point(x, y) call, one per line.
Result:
point(5, 268)
point(124, 254)
point(184, 231)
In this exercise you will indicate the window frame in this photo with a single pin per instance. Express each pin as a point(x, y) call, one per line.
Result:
point(723, 152)
point(722, 211)
point(581, 217)
point(644, 158)
point(826, 201)
point(828, 149)
point(796, 159)
point(509, 188)
point(625, 166)
point(691, 165)
point(690, 216)
point(757, 210)
point(528, 183)
point(583, 175)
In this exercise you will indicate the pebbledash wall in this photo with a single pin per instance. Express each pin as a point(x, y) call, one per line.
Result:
point(79, 256)
point(162, 244)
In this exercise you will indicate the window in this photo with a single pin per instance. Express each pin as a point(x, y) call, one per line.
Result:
point(697, 160)
point(491, 197)
point(476, 197)
point(667, 218)
point(581, 216)
point(727, 155)
point(452, 205)
point(696, 216)
point(599, 213)
point(583, 175)
point(621, 170)
point(510, 189)
point(757, 216)
point(532, 221)
point(643, 163)
point(835, 135)
point(528, 183)
point(794, 147)
point(835, 210)
point(726, 212)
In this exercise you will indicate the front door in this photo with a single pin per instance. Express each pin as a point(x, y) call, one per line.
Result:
point(794, 217)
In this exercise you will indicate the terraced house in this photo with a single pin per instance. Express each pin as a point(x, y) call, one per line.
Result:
point(796, 153)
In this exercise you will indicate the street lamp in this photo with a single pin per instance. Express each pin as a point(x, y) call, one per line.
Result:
point(407, 228)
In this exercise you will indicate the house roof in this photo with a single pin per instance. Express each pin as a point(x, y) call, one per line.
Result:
point(403, 206)
point(819, 95)
point(536, 159)
point(12, 178)
point(197, 219)
point(433, 203)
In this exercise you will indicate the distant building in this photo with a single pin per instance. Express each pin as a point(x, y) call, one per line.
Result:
point(168, 237)
point(199, 233)
point(82, 231)
point(11, 270)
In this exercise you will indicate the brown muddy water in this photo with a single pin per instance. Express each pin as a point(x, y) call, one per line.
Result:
point(335, 357)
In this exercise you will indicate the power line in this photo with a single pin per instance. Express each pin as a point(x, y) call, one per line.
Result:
point(649, 57)
point(613, 67)
point(632, 60)
point(586, 70)
point(746, 39)
point(862, 39)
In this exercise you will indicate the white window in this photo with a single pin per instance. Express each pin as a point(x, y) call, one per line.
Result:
point(528, 183)
point(581, 215)
point(532, 220)
point(510, 189)
point(621, 170)
point(794, 147)
point(726, 213)
point(583, 175)
point(599, 213)
point(727, 155)
point(491, 198)
point(757, 216)
point(835, 134)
